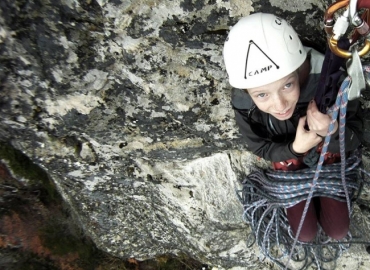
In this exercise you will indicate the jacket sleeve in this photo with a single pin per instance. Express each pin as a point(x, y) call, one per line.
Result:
point(261, 145)
point(353, 129)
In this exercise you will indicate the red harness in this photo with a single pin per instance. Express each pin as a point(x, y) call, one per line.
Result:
point(297, 163)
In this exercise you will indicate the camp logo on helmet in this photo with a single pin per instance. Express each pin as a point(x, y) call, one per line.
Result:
point(266, 62)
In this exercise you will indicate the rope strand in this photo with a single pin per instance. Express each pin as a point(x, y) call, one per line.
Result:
point(265, 194)
point(341, 102)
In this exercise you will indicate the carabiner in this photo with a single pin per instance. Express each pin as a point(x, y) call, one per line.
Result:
point(337, 30)
point(329, 14)
point(361, 25)
point(333, 45)
point(353, 15)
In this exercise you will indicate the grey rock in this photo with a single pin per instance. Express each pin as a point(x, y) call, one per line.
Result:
point(126, 106)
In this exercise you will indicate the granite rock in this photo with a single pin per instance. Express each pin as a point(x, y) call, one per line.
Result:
point(126, 106)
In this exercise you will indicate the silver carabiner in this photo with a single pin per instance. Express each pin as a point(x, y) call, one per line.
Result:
point(353, 15)
point(354, 70)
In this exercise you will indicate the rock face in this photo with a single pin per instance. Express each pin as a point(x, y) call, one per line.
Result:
point(126, 106)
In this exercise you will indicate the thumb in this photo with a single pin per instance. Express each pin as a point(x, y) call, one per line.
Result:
point(314, 105)
point(302, 121)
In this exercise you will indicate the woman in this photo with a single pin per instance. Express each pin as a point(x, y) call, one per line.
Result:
point(276, 113)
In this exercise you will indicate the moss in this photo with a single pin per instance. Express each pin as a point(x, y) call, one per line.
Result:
point(62, 237)
point(22, 166)
point(59, 233)
point(24, 260)
point(64, 244)
point(33, 262)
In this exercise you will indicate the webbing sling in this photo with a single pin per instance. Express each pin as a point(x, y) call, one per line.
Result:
point(331, 73)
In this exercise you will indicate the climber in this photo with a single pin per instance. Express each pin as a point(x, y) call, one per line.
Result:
point(276, 78)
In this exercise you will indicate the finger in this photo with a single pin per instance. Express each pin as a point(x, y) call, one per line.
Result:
point(319, 138)
point(314, 137)
point(314, 116)
point(314, 105)
point(302, 122)
point(308, 122)
point(309, 110)
point(312, 108)
point(309, 105)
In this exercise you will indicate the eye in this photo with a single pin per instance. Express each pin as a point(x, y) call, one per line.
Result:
point(288, 85)
point(261, 95)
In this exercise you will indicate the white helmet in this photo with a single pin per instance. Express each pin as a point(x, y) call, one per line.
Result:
point(260, 49)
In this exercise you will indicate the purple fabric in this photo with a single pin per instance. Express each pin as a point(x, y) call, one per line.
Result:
point(327, 88)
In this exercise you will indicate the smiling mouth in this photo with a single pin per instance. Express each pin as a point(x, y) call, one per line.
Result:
point(283, 113)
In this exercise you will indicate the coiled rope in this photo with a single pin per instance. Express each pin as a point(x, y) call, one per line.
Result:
point(266, 194)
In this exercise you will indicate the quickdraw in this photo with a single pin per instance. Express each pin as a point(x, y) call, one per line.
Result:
point(335, 30)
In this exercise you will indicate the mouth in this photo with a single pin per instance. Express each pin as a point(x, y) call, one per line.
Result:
point(284, 113)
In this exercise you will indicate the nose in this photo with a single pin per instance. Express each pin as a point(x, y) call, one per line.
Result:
point(280, 103)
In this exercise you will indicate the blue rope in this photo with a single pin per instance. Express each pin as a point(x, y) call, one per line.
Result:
point(265, 194)
point(264, 210)
point(340, 103)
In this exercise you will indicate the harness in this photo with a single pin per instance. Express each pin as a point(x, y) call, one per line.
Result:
point(265, 194)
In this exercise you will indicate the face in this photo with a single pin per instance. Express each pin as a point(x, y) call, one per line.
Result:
point(278, 98)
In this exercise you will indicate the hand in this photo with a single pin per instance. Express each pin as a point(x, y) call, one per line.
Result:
point(304, 140)
point(318, 122)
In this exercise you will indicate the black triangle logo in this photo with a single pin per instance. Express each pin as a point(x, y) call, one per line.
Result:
point(265, 67)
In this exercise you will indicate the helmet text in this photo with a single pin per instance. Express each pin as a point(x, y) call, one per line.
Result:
point(258, 71)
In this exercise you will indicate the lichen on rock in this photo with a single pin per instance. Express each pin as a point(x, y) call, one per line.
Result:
point(126, 106)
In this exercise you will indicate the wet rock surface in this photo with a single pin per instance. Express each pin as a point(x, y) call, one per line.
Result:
point(125, 106)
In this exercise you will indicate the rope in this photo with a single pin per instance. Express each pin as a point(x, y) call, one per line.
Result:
point(266, 194)
point(340, 103)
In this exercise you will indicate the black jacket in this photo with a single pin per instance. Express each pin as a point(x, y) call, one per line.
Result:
point(271, 138)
